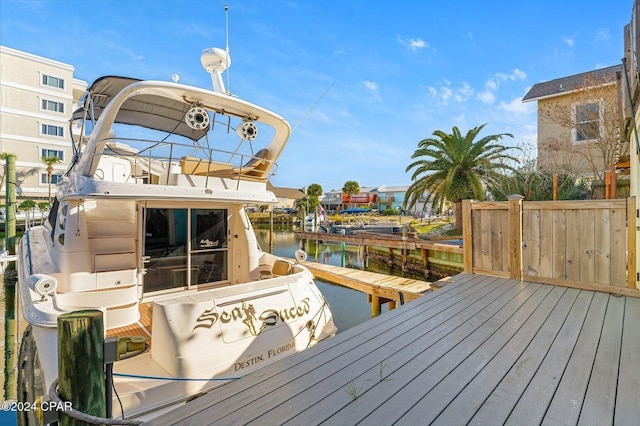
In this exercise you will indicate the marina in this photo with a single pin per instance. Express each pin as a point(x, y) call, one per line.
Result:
point(481, 350)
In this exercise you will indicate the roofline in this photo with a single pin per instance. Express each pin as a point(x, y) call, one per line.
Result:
point(568, 92)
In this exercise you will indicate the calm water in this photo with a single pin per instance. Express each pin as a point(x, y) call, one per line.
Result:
point(349, 307)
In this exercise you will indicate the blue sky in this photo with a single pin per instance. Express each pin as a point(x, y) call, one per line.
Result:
point(397, 70)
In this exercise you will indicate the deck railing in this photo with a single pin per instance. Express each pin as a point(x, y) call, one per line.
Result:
point(586, 244)
point(153, 161)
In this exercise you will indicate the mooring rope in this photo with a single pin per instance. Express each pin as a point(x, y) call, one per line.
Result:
point(178, 379)
point(71, 412)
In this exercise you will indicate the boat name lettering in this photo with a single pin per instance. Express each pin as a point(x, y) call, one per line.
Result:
point(270, 354)
point(247, 313)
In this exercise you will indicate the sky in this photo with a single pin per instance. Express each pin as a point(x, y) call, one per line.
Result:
point(361, 82)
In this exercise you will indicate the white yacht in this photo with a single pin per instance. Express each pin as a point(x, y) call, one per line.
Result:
point(149, 226)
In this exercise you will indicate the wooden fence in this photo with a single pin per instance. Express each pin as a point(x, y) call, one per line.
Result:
point(583, 244)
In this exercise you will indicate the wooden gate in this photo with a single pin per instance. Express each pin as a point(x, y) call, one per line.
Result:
point(582, 244)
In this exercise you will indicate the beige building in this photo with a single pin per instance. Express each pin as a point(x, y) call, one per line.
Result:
point(579, 122)
point(37, 98)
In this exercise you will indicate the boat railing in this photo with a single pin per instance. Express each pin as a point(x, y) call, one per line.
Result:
point(152, 161)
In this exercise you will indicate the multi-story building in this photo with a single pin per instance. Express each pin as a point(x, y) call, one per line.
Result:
point(579, 122)
point(37, 98)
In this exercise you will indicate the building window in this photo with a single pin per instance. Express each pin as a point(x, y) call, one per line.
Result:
point(50, 130)
point(55, 178)
point(52, 153)
point(52, 106)
point(56, 82)
point(587, 121)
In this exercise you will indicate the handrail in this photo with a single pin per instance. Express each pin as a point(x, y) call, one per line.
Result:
point(28, 244)
point(162, 155)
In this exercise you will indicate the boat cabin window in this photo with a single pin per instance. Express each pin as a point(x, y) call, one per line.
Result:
point(185, 247)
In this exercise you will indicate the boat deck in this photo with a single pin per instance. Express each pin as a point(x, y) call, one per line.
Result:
point(140, 328)
point(481, 350)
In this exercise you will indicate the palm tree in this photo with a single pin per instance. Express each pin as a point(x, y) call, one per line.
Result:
point(350, 188)
point(50, 161)
point(314, 191)
point(454, 167)
point(3, 156)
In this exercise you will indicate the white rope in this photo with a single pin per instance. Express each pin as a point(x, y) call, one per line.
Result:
point(71, 412)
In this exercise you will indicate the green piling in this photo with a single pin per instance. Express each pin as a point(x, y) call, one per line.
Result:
point(81, 378)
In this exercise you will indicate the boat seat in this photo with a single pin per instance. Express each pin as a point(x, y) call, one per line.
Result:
point(202, 167)
point(281, 267)
point(254, 168)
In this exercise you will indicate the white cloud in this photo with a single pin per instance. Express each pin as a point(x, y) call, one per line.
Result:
point(517, 106)
point(570, 41)
point(371, 85)
point(602, 34)
point(486, 97)
point(493, 83)
point(464, 93)
point(414, 44)
point(519, 75)
point(445, 93)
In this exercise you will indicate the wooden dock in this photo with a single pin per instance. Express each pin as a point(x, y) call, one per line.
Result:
point(482, 350)
point(381, 240)
point(437, 254)
point(380, 288)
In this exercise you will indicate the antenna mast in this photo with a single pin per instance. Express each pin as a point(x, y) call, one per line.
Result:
point(226, 13)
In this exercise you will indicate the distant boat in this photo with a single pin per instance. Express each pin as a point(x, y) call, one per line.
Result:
point(355, 210)
point(33, 215)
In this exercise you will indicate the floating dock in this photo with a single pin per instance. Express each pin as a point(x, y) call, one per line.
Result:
point(380, 288)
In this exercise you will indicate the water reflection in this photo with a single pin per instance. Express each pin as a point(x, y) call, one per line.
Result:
point(349, 307)
point(7, 302)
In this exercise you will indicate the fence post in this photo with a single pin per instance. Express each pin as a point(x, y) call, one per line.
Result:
point(632, 267)
point(515, 237)
point(467, 237)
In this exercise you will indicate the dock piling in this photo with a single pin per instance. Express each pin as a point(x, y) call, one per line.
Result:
point(81, 379)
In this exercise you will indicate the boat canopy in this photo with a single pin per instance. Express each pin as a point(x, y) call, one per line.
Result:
point(157, 113)
point(354, 210)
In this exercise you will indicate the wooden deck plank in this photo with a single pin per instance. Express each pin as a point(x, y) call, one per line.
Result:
point(535, 400)
point(482, 350)
point(437, 399)
point(429, 352)
point(536, 333)
point(628, 393)
point(406, 351)
point(567, 402)
point(331, 372)
point(414, 386)
point(463, 285)
point(599, 401)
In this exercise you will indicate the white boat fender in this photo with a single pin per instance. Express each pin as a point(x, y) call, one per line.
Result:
point(43, 285)
point(301, 255)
